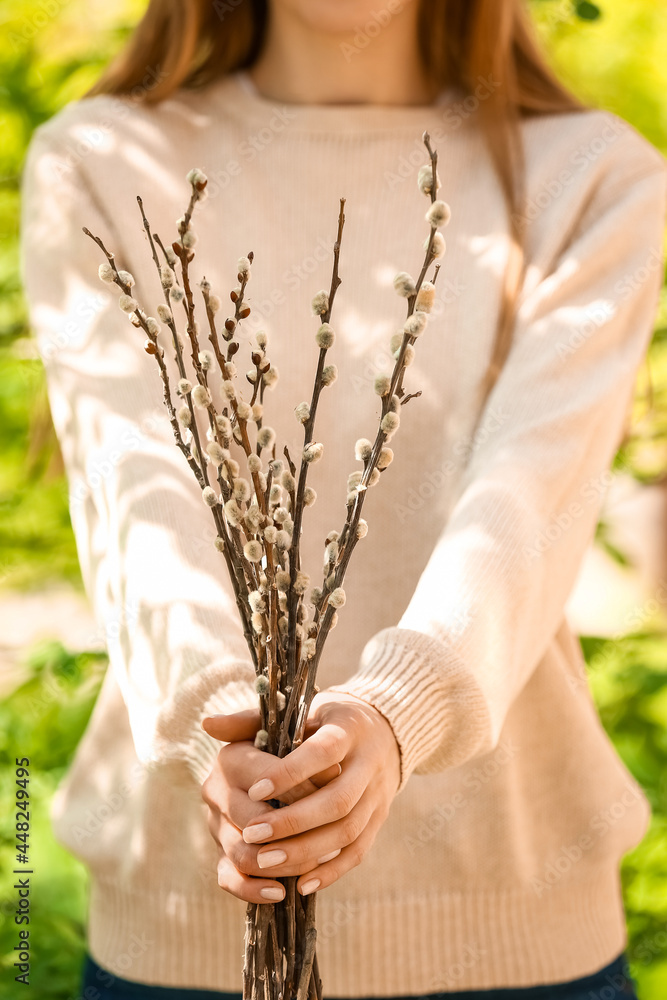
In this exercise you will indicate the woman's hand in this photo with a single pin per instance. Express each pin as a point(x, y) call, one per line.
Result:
point(333, 812)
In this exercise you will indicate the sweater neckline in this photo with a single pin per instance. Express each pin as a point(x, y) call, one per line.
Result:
point(243, 97)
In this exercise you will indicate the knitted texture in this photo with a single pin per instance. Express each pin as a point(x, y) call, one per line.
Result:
point(498, 863)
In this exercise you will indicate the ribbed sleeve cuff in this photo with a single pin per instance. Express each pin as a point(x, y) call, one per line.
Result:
point(434, 705)
point(219, 689)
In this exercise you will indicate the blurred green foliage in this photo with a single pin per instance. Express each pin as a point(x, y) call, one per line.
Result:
point(612, 55)
point(628, 678)
point(51, 52)
point(43, 720)
point(618, 62)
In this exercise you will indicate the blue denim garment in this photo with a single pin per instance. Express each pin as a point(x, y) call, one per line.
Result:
point(613, 982)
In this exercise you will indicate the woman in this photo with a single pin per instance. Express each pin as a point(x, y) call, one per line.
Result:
point(457, 803)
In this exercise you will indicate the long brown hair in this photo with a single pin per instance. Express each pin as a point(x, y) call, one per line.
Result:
point(462, 42)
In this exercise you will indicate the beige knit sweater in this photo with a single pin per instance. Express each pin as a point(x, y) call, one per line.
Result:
point(498, 864)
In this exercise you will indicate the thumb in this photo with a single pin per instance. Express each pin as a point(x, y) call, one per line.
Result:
point(243, 725)
point(234, 727)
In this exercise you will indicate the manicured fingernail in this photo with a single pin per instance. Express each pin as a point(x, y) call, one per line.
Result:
point(260, 831)
point(260, 790)
point(270, 858)
point(328, 857)
point(270, 893)
point(310, 886)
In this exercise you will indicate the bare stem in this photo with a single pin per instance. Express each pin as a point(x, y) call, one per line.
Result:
point(280, 961)
point(297, 514)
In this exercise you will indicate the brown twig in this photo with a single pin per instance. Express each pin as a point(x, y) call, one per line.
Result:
point(308, 948)
point(309, 426)
point(261, 541)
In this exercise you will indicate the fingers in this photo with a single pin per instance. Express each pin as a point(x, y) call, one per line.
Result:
point(235, 766)
point(308, 786)
point(260, 889)
point(325, 805)
point(241, 811)
point(295, 855)
point(224, 790)
point(241, 726)
point(252, 890)
point(238, 809)
point(230, 728)
point(350, 857)
point(244, 725)
point(326, 747)
point(324, 777)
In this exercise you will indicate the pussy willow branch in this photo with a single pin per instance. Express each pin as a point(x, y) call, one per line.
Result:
point(259, 532)
point(249, 577)
point(309, 950)
point(240, 424)
point(348, 537)
point(200, 473)
point(309, 426)
point(234, 566)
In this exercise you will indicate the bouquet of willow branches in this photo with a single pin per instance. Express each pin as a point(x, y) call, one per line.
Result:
point(257, 502)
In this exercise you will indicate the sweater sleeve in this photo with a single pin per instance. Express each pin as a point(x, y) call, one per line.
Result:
point(159, 591)
point(492, 594)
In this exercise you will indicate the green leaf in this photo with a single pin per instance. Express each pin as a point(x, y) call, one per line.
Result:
point(587, 11)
